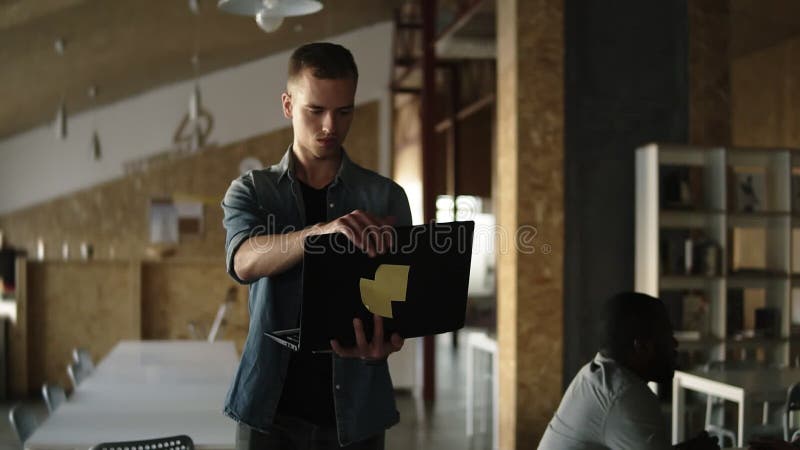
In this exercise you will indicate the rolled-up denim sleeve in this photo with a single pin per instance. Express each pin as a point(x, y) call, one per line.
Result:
point(398, 206)
point(241, 219)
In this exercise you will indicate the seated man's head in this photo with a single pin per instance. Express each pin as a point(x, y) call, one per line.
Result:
point(636, 332)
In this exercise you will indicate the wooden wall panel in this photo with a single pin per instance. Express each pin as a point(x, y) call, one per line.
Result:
point(75, 304)
point(765, 107)
point(176, 293)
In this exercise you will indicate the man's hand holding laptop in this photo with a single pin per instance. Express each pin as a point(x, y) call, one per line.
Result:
point(373, 235)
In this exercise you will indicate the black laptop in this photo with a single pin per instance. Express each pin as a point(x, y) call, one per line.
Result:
point(419, 287)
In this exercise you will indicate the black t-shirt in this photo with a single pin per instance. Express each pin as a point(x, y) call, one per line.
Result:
point(308, 390)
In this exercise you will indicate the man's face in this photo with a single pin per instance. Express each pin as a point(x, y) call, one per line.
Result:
point(321, 111)
point(664, 355)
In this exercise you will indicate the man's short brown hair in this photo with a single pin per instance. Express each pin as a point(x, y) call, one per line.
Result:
point(325, 60)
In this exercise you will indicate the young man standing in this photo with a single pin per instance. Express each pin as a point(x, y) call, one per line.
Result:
point(284, 399)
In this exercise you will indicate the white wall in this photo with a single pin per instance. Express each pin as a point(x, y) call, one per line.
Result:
point(244, 100)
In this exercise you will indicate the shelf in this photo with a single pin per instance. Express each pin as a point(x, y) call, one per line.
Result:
point(765, 239)
point(688, 218)
point(703, 343)
point(755, 342)
point(673, 282)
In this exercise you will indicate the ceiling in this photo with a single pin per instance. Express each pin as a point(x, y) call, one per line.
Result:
point(125, 47)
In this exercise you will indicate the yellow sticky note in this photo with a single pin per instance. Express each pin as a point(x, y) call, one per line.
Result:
point(389, 285)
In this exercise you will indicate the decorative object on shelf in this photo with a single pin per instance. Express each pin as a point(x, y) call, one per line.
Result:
point(750, 189)
point(682, 187)
point(60, 123)
point(688, 252)
point(748, 249)
point(767, 322)
point(707, 256)
point(695, 312)
point(269, 14)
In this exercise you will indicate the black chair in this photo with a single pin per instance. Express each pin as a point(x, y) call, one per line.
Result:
point(181, 442)
point(53, 395)
point(23, 422)
point(84, 358)
point(792, 404)
point(77, 373)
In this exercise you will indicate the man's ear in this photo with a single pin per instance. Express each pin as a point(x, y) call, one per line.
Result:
point(286, 103)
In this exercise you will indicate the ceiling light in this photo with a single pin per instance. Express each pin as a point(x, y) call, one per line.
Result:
point(273, 8)
point(268, 23)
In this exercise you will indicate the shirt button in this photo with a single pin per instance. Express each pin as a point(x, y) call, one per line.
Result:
point(331, 205)
point(338, 387)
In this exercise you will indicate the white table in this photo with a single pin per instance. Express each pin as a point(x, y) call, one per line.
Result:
point(148, 389)
point(747, 387)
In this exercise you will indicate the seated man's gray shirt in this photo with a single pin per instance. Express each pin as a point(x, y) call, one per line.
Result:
point(607, 407)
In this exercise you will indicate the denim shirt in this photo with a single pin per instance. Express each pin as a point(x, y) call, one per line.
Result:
point(270, 201)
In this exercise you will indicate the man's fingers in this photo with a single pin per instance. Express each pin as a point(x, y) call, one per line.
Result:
point(377, 332)
point(361, 340)
point(397, 342)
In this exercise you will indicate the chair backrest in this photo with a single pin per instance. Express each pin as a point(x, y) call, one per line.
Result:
point(218, 322)
point(83, 357)
point(792, 404)
point(76, 374)
point(181, 442)
point(23, 422)
point(222, 312)
point(53, 395)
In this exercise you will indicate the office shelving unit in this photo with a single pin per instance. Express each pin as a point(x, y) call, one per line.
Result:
point(716, 210)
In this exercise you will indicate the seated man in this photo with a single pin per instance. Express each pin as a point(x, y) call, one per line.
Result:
point(608, 405)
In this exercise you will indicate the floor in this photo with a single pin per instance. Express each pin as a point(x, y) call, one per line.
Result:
point(440, 426)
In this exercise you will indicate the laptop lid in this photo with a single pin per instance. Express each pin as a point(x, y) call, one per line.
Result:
point(419, 287)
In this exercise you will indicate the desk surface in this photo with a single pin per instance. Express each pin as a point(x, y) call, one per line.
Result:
point(763, 382)
point(144, 390)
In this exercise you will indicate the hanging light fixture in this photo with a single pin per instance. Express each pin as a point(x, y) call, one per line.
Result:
point(269, 14)
point(94, 143)
point(60, 123)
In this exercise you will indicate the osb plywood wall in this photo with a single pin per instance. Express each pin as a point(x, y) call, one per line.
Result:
point(117, 295)
point(113, 217)
point(177, 293)
point(765, 85)
point(73, 304)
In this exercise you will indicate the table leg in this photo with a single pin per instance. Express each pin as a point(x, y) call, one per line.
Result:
point(678, 406)
point(470, 388)
point(742, 409)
